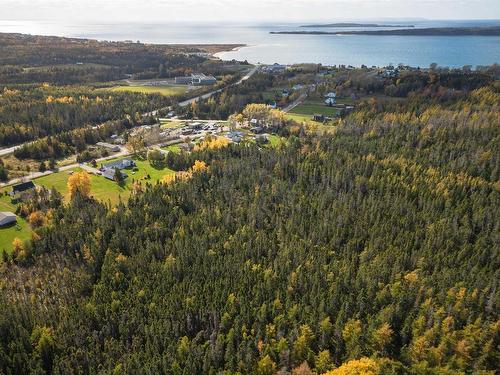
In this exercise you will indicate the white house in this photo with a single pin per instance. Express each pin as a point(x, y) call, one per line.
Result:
point(331, 95)
point(330, 101)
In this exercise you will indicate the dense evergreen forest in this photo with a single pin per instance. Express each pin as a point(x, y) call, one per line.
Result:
point(372, 248)
point(33, 112)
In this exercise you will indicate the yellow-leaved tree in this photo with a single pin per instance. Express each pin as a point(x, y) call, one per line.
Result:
point(211, 143)
point(363, 366)
point(79, 182)
point(199, 166)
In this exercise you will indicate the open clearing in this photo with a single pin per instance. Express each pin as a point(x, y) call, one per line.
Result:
point(106, 190)
point(7, 234)
point(313, 107)
point(102, 189)
point(169, 90)
point(298, 118)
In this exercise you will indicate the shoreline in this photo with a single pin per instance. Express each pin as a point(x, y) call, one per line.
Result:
point(235, 49)
point(435, 31)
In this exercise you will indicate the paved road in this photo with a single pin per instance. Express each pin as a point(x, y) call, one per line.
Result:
point(297, 101)
point(10, 150)
point(123, 151)
point(207, 95)
point(33, 175)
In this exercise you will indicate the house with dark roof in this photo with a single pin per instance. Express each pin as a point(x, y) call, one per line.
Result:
point(111, 172)
point(21, 190)
point(7, 218)
point(235, 136)
point(318, 117)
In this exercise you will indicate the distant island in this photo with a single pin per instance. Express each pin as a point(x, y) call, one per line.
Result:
point(437, 31)
point(345, 24)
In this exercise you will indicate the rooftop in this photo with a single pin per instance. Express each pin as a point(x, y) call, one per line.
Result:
point(120, 164)
point(5, 215)
point(23, 187)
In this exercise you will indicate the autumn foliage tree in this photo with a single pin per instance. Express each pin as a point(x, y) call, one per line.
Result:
point(79, 183)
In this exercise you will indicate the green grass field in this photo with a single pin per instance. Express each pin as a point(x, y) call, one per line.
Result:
point(305, 111)
point(171, 124)
point(274, 140)
point(163, 90)
point(311, 108)
point(173, 148)
point(22, 230)
point(103, 189)
point(298, 117)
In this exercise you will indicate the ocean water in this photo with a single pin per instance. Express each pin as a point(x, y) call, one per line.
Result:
point(263, 47)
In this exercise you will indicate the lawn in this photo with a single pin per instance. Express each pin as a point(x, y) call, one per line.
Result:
point(310, 108)
point(274, 140)
point(171, 124)
point(170, 90)
point(176, 149)
point(22, 230)
point(298, 118)
point(103, 189)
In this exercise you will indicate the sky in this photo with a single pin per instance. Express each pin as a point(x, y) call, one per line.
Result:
point(244, 10)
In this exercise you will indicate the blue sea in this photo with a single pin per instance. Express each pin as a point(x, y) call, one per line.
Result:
point(263, 47)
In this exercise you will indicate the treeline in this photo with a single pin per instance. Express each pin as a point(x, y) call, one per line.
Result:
point(60, 74)
point(435, 82)
point(77, 141)
point(380, 241)
point(33, 112)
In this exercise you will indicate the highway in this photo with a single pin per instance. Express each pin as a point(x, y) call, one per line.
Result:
point(208, 95)
point(33, 175)
point(10, 150)
point(123, 152)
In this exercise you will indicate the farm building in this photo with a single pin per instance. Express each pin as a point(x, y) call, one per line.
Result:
point(7, 218)
point(183, 80)
point(196, 79)
point(202, 79)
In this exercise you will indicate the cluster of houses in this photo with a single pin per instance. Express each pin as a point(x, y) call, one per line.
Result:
point(198, 79)
point(258, 131)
